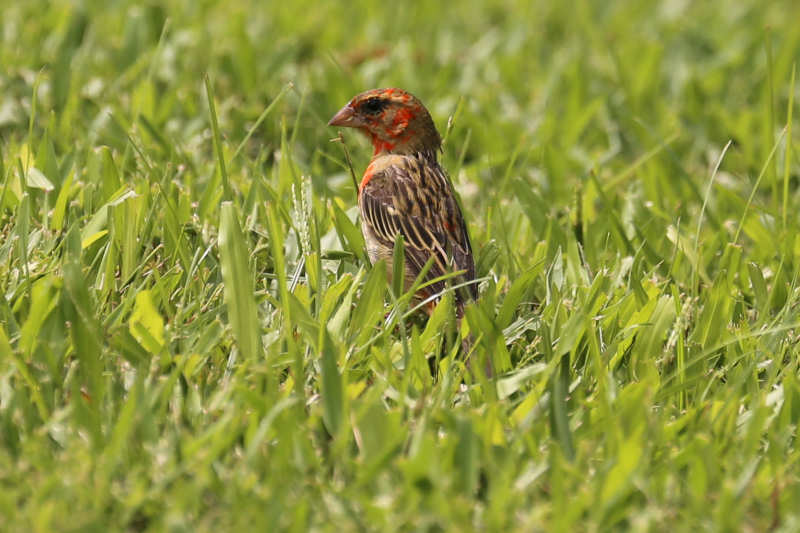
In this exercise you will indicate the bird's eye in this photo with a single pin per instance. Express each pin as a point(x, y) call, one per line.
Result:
point(373, 105)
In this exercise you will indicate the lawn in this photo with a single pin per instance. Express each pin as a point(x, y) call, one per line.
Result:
point(192, 338)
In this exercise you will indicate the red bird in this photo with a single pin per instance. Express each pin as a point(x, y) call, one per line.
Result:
point(405, 192)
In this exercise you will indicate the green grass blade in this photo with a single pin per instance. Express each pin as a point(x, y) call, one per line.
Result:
point(238, 284)
point(212, 112)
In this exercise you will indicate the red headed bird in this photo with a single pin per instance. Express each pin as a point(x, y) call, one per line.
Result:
point(404, 191)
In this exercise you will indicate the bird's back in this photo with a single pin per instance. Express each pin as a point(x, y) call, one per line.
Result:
point(411, 195)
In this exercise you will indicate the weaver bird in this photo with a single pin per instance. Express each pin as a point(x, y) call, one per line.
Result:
point(404, 191)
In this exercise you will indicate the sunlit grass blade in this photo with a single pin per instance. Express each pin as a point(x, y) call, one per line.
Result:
point(212, 112)
point(239, 283)
point(86, 338)
point(332, 387)
point(787, 162)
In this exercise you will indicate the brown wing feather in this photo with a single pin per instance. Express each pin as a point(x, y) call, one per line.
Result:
point(412, 196)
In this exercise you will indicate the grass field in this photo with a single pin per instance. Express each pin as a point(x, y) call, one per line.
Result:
point(191, 338)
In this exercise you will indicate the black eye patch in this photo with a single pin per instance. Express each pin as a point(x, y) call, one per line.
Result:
point(373, 105)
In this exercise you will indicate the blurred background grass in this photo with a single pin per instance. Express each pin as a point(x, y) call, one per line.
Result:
point(172, 362)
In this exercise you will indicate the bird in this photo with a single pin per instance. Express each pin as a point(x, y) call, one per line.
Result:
point(405, 191)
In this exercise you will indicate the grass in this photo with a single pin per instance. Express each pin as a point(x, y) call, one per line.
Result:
point(191, 338)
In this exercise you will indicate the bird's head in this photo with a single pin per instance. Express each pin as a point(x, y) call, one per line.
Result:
point(394, 120)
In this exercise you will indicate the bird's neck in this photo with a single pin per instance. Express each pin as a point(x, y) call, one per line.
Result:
point(412, 138)
point(382, 147)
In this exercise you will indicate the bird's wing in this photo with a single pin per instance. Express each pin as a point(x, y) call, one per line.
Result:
point(413, 197)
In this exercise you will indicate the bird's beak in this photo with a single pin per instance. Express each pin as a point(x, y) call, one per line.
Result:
point(346, 117)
